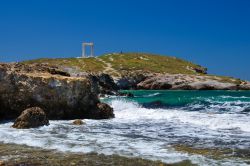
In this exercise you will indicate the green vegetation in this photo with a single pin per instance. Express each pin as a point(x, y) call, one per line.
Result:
point(149, 63)
point(127, 62)
point(117, 64)
point(82, 64)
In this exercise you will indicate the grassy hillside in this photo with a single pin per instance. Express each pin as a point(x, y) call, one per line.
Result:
point(117, 64)
point(120, 63)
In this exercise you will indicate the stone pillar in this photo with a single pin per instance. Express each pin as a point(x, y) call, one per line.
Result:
point(92, 50)
point(84, 49)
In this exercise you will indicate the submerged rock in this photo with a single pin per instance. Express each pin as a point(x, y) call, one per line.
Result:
point(125, 94)
point(155, 104)
point(78, 122)
point(31, 118)
point(59, 95)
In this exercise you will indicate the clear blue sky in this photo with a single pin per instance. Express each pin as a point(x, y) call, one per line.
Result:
point(213, 33)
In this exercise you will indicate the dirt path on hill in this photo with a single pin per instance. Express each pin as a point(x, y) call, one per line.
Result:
point(108, 67)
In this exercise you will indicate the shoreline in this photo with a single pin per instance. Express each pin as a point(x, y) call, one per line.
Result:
point(133, 116)
point(13, 154)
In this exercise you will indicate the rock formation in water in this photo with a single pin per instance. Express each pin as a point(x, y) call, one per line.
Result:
point(59, 95)
point(78, 122)
point(31, 118)
point(191, 82)
point(105, 111)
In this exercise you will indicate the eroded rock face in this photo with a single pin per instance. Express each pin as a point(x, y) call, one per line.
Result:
point(60, 96)
point(31, 118)
point(245, 86)
point(130, 81)
point(103, 84)
point(190, 82)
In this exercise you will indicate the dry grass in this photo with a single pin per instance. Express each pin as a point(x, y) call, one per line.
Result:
point(133, 62)
point(126, 62)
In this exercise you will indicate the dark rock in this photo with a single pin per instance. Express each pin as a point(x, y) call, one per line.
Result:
point(130, 81)
point(78, 122)
point(160, 85)
point(200, 70)
point(246, 110)
point(61, 97)
point(103, 84)
point(126, 94)
point(55, 71)
point(105, 111)
point(155, 104)
point(31, 118)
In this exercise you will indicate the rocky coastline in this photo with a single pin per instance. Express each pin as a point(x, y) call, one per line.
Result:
point(157, 81)
point(53, 90)
point(190, 82)
point(64, 94)
point(33, 94)
point(110, 73)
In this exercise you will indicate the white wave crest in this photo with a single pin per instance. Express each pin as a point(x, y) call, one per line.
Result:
point(130, 111)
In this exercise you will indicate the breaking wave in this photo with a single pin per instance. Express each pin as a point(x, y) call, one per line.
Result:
point(216, 120)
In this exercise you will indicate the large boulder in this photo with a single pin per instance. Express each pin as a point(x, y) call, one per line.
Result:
point(104, 111)
point(31, 118)
point(59, 95)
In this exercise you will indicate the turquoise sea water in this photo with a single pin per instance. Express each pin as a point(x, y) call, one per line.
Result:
point(228, 100)
point(205, 127)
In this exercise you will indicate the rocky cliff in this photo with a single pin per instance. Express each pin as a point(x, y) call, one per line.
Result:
point(45, 86)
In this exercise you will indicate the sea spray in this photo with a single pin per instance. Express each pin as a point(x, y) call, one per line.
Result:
point(194, 119)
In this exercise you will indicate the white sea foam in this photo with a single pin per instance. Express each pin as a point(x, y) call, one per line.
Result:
point(235, 97)
point(236, 106)
point(152, 95)
point(138, 131)
point(132, 111)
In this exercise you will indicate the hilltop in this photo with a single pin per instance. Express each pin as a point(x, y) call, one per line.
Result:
point(116, 64)
point(146, 71)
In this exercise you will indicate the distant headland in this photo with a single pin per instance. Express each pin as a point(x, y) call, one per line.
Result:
point(147, 71)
